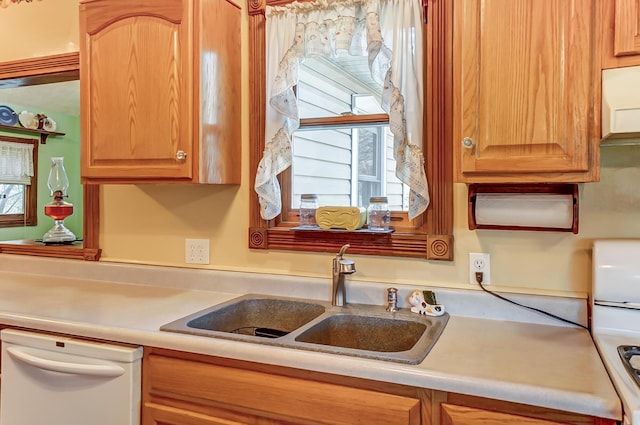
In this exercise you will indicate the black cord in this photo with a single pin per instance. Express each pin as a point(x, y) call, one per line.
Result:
point(479, 280)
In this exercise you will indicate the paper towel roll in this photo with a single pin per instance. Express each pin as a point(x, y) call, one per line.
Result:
point(525, 210)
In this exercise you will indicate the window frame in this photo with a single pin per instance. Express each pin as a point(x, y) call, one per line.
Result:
point(429, 236)
point(30, 216)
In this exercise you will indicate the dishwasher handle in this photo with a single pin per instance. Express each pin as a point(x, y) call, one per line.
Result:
point(65, 367)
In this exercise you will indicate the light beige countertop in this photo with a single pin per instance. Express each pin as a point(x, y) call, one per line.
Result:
point(489, 348)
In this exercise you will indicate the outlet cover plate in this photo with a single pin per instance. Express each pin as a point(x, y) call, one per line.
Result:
point(196, 251)
point(479, 262)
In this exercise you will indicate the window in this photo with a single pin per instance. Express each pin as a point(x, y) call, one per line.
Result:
point(345, 164)
point(18, 182)
point(363, 139)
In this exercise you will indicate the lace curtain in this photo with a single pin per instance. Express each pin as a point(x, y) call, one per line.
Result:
point(7, 3)
point(16, 163)
point(322, 28)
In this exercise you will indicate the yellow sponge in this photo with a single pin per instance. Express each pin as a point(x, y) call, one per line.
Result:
point(348, 218)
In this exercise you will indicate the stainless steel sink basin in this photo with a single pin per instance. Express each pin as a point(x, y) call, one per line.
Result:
point(354, 330)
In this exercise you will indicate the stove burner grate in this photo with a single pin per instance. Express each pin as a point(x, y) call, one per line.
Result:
point(626, 353)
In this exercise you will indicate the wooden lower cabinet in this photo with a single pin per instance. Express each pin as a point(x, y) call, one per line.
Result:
point(459, 409)
point(158, 414)
point(191, 389)
point(452, 414)
point(180, 389)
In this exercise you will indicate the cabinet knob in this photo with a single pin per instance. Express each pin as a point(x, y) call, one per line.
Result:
point(467, 142)
point(181, 155)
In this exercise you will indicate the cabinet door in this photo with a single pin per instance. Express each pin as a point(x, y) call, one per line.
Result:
point(627, 31)
point(620, 32)
point(165, 415)
point(524, 95)
point(136, 89)
point(451, 414)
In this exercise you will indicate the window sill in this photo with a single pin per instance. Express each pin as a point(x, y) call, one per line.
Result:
point(343, 231)
point(392, 244)
point(32, 247)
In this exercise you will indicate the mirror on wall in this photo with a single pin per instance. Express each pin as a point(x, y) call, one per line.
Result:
point(60, 104)
point(50, 85)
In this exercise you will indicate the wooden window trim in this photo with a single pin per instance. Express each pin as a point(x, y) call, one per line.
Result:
point(30, 216)
point(43, 70)
point(429, 236)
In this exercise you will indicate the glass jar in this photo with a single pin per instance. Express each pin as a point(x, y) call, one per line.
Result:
point(308, 207)
point(378, 214)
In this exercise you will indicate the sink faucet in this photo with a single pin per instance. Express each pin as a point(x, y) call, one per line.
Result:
point(341, 267)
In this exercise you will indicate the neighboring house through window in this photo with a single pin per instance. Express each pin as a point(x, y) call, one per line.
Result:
point(18, 182)
point(344, 164)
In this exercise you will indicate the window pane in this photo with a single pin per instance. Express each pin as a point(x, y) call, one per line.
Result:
point(368, 154)
point(366, 104)
point(346, 166)
point(12, 200)
point(322, 165)
point(326, 87)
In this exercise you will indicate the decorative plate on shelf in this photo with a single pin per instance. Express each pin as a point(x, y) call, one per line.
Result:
point(8, 116)
point(49, 124)
point(28, 120)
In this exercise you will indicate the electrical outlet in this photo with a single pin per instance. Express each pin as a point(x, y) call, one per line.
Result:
point(196, 251)
point(479, 262)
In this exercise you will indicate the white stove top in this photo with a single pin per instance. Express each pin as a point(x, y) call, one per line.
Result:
point(607, 341)
point(615, 318)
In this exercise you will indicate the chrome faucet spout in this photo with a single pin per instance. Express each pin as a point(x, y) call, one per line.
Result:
point(341, 267)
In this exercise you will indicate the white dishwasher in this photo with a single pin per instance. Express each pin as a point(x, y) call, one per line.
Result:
point(66, 381)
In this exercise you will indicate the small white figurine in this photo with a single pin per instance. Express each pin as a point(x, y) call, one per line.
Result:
point(420, 306)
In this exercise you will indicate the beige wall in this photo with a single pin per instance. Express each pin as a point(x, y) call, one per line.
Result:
point(39, 28)
point(148, 224)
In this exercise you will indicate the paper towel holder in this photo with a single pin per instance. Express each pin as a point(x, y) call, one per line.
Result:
point(567, 192)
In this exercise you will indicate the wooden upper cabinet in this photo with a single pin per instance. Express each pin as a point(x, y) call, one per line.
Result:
point(160, 91)
point(526, 91)
point(621, 32)
point(626, 39)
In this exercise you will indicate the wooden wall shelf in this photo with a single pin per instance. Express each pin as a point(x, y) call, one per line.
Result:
point(43, 133)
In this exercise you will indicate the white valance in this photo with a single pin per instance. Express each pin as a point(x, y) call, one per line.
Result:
point(322, 28)
point(16, 163)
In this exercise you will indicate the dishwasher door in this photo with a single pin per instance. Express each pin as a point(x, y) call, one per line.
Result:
point(65, 381)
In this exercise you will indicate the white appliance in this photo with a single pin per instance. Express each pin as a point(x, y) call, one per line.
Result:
point(65, 381)
point(621, 103)
point(615, 322)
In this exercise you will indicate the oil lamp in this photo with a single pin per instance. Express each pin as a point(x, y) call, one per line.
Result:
point(58, 209)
